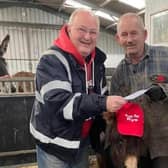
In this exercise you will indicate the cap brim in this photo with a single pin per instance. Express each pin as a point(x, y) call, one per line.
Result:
point(130, 130)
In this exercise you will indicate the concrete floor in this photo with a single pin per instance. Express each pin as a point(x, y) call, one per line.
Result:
point(92, 161)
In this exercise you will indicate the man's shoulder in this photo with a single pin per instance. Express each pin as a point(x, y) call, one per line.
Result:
point(122, 63)
point(120, 67)
point(53, 50)
point(99, 51)
point(158, 53)
point(53, 55)
point(159, 48)
point(100, 55)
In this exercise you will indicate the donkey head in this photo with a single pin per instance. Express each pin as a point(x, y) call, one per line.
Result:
point(124, 150)
point(4, 45)
point(3, 48)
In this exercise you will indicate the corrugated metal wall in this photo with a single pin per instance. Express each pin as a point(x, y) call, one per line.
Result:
point(33, 30)
point(108, 44)
point(30, 15)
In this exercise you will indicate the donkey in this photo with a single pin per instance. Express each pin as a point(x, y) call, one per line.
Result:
point(22, 85)
point(3, 48)
point(3, 65)
point(123, 150)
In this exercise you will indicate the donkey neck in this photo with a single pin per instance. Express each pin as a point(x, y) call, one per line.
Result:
point(3, 67)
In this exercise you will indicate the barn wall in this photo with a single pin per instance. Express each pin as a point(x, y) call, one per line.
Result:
point(33, 30)
point(108, 44)
point(16, 141)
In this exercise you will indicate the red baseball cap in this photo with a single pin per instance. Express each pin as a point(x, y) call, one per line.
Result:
point(130, 120)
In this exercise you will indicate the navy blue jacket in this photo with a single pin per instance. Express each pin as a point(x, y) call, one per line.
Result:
point(62, 104)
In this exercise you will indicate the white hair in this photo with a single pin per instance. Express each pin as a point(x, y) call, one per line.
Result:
point(131, 15)
point(92, 13)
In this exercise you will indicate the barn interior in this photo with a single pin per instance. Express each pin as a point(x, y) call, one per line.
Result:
point(32, 25)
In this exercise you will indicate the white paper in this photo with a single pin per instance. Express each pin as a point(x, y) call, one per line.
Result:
point(136, 94)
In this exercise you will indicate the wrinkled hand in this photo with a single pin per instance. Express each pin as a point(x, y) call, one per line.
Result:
point(156, 93)
point(114, 103)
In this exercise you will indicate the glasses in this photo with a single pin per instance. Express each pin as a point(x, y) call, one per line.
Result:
point(83, 31)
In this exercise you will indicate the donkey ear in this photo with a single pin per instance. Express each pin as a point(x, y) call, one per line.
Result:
point(4, 44)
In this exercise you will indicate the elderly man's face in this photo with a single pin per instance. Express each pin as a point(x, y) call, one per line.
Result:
point(131, 37)
point(83, 33)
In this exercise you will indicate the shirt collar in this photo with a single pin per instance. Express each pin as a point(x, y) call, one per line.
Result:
point(146, 54)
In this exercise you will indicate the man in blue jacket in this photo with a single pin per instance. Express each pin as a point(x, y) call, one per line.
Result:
point(70, 88)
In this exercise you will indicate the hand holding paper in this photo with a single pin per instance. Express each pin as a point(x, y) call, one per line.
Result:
point(156, 93)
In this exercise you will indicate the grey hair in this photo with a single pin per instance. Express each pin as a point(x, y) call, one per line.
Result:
point(133, 15)
point(74, 13)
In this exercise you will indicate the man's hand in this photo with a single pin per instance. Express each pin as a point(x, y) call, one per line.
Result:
point(114, 103)
point(156, 93)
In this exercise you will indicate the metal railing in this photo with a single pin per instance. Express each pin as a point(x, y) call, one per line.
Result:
point(24, 85)
point(17, 85)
